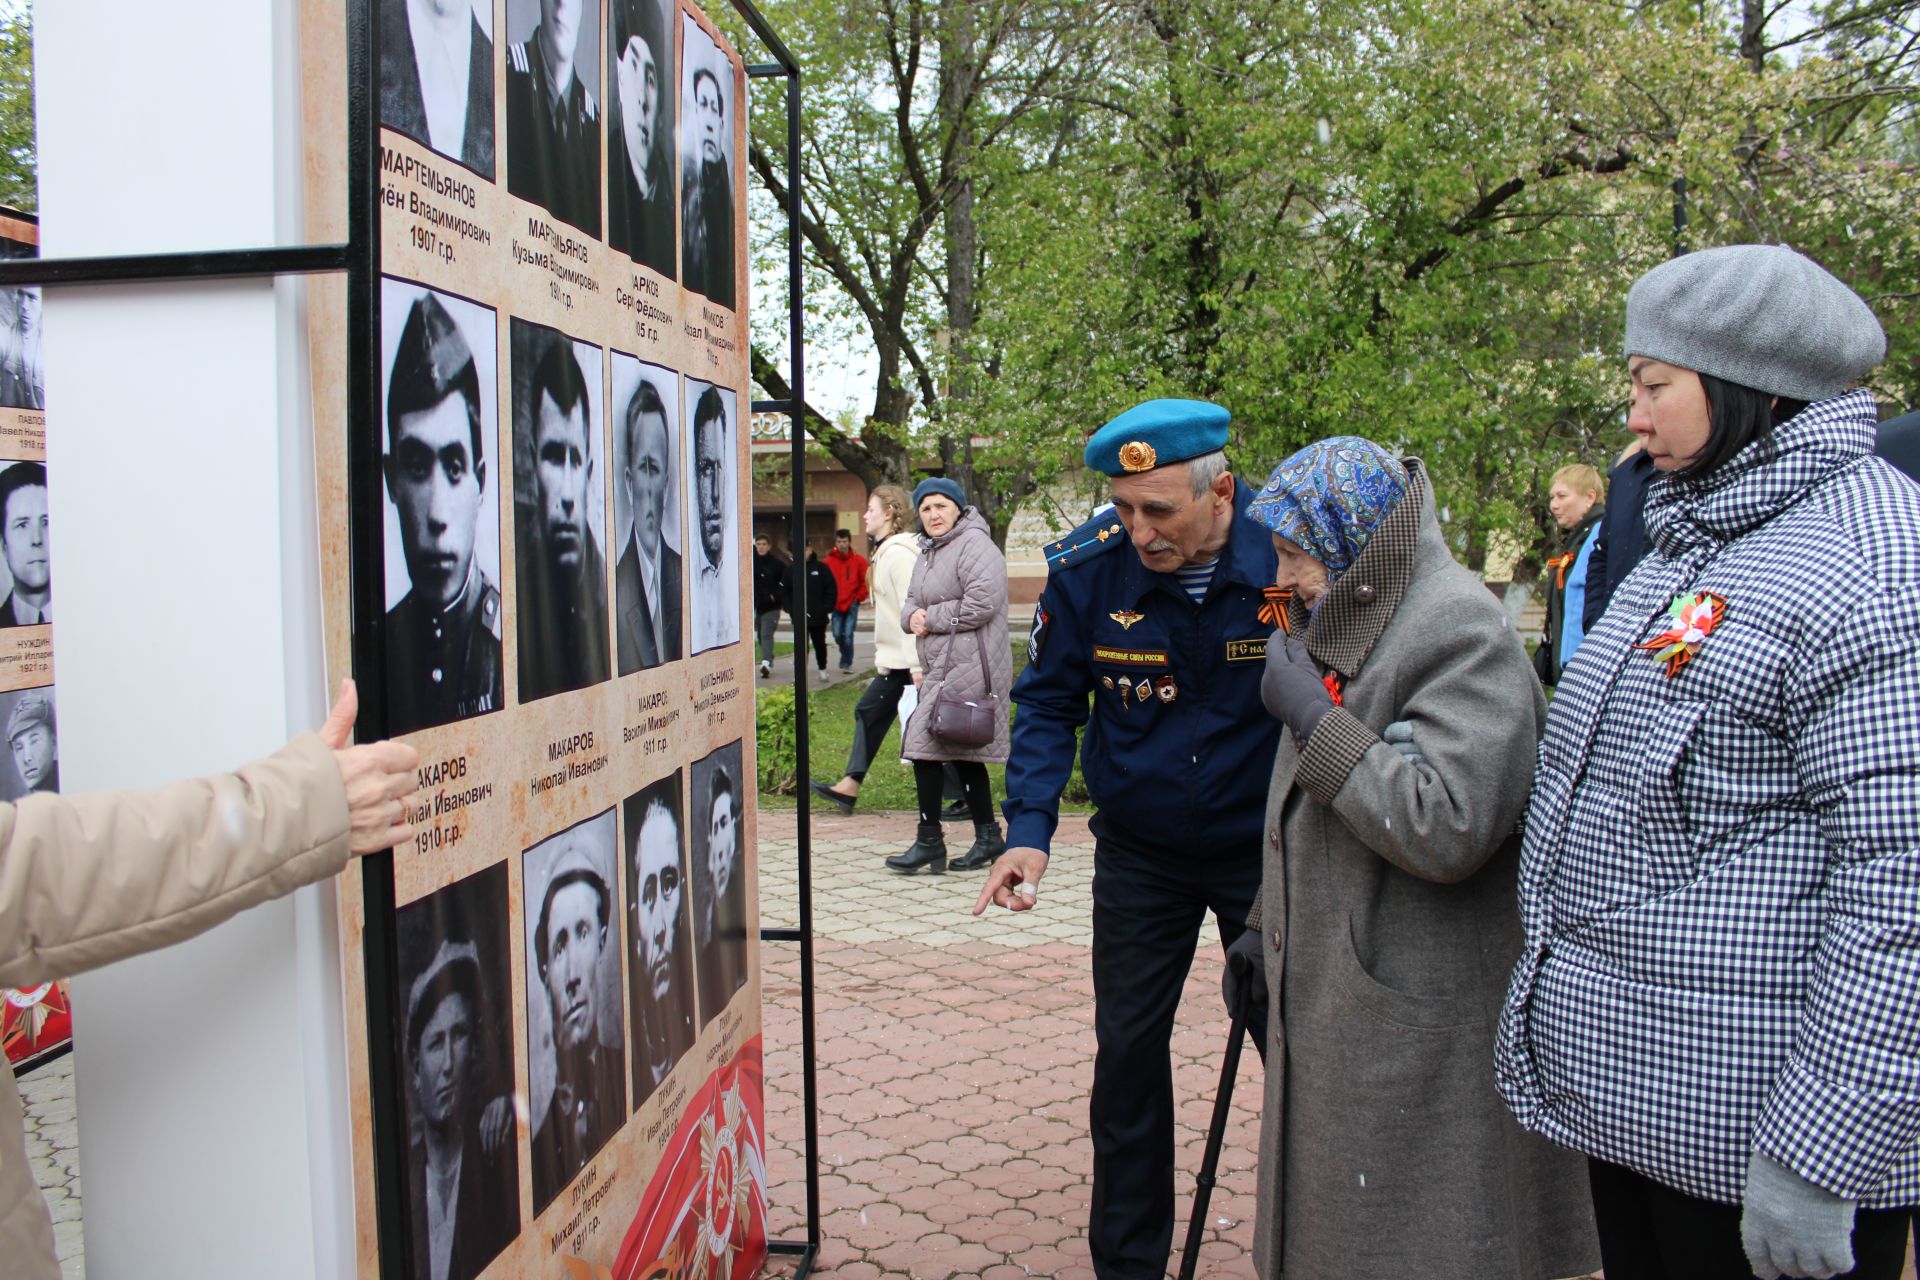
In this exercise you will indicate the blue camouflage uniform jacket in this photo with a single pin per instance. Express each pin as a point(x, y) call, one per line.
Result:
point(1178, 749)
point(1720, 881)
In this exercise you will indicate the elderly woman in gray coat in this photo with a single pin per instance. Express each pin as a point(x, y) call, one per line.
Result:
point(956, 606)
point(1387, 925)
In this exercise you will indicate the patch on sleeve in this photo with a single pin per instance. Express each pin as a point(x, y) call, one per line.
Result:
point(1037, 637)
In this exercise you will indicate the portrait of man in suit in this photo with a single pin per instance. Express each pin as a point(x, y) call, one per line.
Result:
point(660, 984)
point(436, 77)
point(646, 581)
point(23, 539)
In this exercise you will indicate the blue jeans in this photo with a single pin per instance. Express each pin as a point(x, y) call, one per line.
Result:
point(843, 624)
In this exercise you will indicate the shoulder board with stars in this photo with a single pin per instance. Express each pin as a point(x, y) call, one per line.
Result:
point(1102, 533)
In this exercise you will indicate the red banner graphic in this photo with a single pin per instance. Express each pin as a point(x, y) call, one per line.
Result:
point(704, 1216)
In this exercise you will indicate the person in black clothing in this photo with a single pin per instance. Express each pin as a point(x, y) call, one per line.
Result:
point(821, 589)
point(1623, 532)
point(769, 577)
point(1899, 443)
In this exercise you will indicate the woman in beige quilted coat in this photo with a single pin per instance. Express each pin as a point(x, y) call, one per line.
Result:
point(88, 880)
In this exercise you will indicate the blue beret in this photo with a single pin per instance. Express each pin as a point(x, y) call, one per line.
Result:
point(1157, 434)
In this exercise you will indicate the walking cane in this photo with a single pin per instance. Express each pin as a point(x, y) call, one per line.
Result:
point(1216, 1138)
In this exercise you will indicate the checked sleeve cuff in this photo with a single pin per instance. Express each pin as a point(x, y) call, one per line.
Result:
point(1338, 743)
point(1837, 1138)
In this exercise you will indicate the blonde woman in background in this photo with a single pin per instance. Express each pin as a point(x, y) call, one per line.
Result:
point(889, 523)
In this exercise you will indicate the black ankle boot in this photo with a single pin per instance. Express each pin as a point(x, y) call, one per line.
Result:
point(929, 850)
point(987, 846)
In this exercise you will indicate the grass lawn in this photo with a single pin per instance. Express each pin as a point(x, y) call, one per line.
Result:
point(889, 783)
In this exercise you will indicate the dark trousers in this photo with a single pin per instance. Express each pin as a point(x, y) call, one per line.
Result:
point(1649, 1231)
point(1148, 906)
point(872, 717)
point(817, 634)
point(930, 780)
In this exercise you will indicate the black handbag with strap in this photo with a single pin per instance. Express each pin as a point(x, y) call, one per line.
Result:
point(966, 722)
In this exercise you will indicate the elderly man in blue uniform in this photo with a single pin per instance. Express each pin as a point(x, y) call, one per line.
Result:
point(1168, 638)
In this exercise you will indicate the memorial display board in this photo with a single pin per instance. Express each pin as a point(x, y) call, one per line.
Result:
point(38, 1022)
point(575, 1029)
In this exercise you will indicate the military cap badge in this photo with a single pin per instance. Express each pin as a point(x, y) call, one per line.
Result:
point(1138, 455)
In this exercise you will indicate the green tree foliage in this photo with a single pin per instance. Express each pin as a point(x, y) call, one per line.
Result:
point(19, 181)
point(1414, 220)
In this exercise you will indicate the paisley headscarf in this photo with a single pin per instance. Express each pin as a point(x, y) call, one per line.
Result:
point(1329, 498)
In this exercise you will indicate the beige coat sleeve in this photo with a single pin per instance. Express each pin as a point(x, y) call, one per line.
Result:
point(87, 880)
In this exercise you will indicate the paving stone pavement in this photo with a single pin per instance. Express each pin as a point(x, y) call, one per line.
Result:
point(53, 1149)
point(955, 1058)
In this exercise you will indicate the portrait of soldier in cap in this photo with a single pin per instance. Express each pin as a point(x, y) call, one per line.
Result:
point(34, 742)
point(463, 1168)
point(706, 165)
point(719, 880)
point(553, 122)
point(660, 983)
point(559, 513)
point(436, 77)
point(716, 554)
point(574, 1053)
point(647, 576)
point(640, 133)
point(443, 633)
point(23, 540)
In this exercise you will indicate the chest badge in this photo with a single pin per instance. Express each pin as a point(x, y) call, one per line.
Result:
point(1126, 618)
point(1166, 688)
point(1694, 618)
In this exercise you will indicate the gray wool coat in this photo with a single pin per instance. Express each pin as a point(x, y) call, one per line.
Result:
point(961, 581)
point(1390, 926)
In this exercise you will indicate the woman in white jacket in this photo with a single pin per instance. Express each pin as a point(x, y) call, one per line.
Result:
point(889, 522)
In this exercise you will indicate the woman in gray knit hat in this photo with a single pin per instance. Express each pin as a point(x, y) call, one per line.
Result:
point(1720, 880)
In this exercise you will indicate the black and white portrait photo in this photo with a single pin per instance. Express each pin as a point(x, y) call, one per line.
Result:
point(714, 806)
point(714, 560)
point(463, 1166)
point(706, 165)
point(28, 580)
point(575, 1057)
point(646, 499)
point(559, 512)
point(553, 114)
point(640, 135)
point(441, 478)
point(660, 955)
point(23, 383)
point(33, 743)
point(436, 76)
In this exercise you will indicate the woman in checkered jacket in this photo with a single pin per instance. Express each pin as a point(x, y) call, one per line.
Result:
point(1719, 998)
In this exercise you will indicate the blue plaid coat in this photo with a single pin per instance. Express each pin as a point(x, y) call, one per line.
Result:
point(1720, 881)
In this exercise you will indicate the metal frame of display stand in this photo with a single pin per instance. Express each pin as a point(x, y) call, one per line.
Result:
point(359, 259)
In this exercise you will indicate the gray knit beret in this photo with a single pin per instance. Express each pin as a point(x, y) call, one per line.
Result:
point(1759, 315)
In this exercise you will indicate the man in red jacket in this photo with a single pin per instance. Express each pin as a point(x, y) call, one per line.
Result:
point(850, 575)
